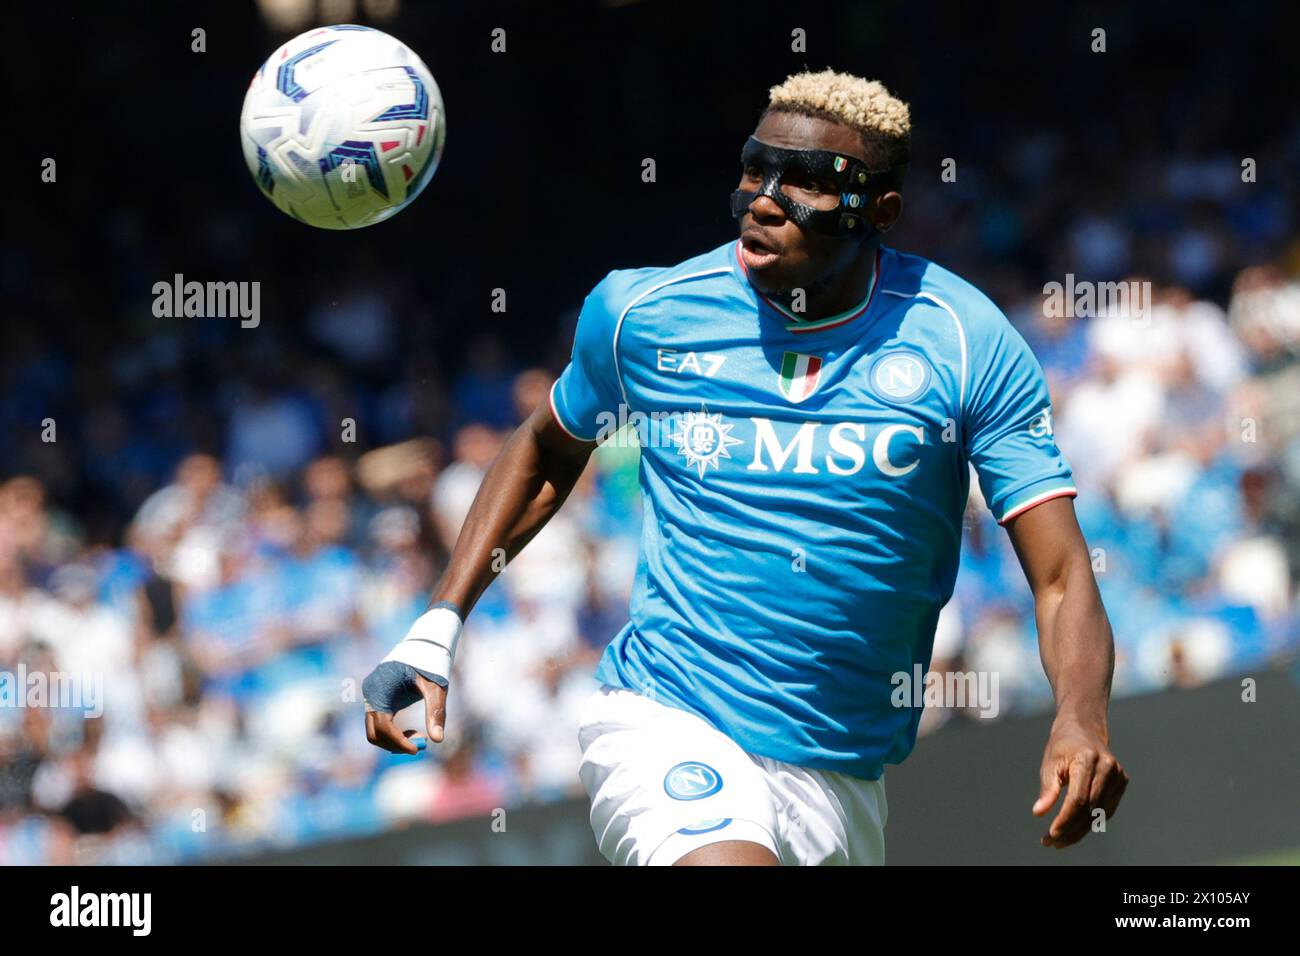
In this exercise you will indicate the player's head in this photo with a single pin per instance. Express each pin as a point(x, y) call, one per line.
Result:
point(820, 179)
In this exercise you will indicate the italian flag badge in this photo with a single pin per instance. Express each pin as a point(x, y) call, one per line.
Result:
point(799, 375)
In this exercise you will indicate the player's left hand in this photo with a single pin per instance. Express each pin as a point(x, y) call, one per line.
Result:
point(1077, 758)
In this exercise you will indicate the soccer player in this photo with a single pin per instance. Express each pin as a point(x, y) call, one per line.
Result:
point(809, 405)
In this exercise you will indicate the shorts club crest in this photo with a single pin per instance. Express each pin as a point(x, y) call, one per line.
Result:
point(692, 780)
point(664, 783)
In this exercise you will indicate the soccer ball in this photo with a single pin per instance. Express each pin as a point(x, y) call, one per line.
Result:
point(342, 127)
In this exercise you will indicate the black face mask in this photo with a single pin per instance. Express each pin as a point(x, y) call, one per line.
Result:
point(852, 179)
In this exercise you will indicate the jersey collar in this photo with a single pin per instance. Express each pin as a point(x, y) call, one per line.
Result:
point(793, 323)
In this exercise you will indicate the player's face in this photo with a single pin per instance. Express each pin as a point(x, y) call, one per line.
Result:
point(779, 255)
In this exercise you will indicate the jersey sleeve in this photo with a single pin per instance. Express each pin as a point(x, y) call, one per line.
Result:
point(587, 393)
point(1008, 416)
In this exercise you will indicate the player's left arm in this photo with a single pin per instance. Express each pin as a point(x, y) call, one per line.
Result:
point(1029, 488)
point(1078, 654)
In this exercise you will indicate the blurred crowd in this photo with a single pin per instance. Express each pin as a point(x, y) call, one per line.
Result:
point(224, 641)
point(1183, 428)
point(229, 527)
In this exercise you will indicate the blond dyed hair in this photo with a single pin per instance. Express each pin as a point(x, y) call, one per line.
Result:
point(881, 120)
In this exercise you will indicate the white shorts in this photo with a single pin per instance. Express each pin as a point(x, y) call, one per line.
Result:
point(664, 782)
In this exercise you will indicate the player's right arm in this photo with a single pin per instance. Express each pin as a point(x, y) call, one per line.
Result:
point(524, 487)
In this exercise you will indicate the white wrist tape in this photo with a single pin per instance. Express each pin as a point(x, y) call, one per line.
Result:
point(430, 644)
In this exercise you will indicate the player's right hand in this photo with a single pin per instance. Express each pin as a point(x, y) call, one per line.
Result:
point(389, 688)
point(417, 668)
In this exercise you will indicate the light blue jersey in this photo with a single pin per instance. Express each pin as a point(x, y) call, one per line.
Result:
point(803, 484)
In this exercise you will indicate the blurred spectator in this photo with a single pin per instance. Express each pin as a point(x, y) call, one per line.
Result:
point(474, 448)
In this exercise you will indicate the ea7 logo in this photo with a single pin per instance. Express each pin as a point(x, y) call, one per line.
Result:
point(1041, 426)
point(689, 363)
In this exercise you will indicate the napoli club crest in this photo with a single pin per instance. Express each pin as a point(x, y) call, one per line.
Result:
point(692, 780)
point(900, 376)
